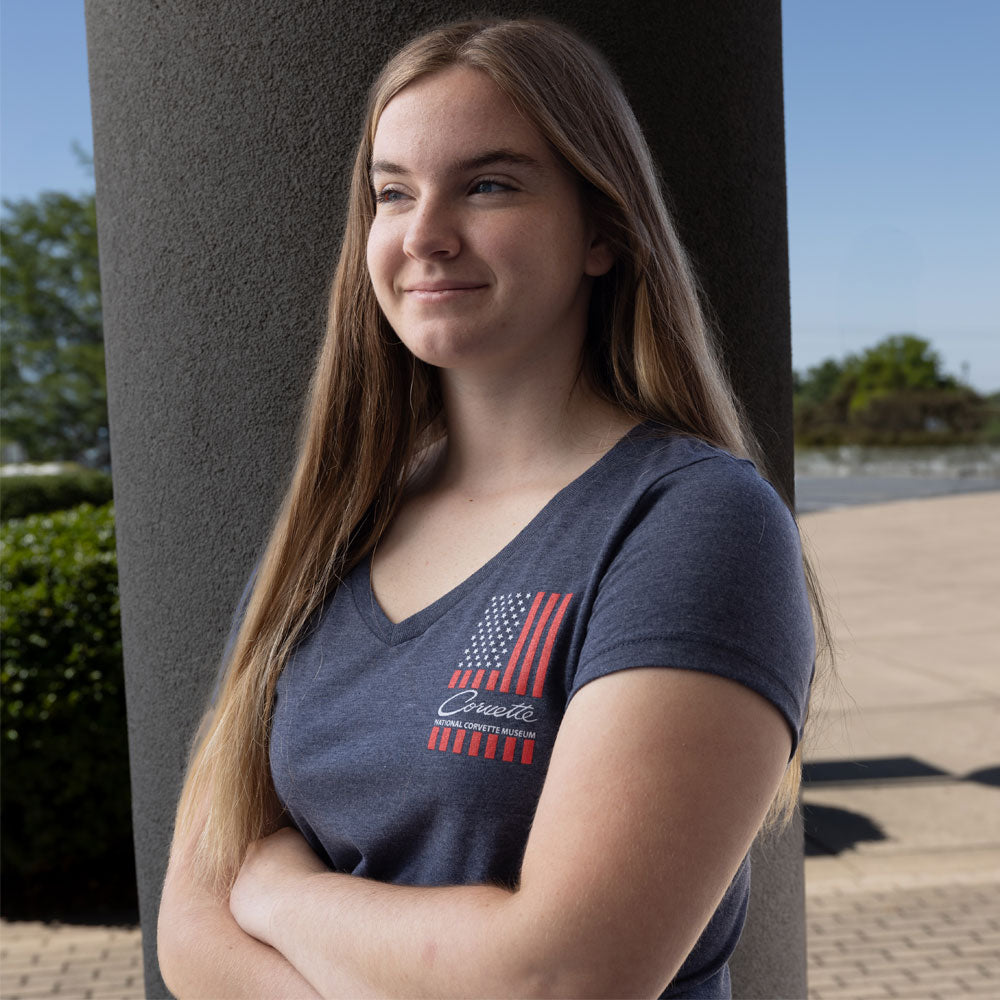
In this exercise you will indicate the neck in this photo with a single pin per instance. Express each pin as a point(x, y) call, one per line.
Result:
point(505, 433)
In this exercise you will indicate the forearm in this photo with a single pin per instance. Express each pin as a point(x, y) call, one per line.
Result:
point(354, 937)
point(204, 953)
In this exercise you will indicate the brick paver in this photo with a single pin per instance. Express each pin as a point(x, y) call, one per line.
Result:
point(919, 942)
point(908, 903)
point(923, 941)
point(69, 961)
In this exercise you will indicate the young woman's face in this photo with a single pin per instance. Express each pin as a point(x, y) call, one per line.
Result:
point(479, 254)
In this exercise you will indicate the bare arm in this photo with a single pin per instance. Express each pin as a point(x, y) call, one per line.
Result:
point(658, 782)
point(203, 952)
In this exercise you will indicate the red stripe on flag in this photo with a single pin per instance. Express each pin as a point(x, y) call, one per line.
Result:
point(454, 678)
point(433, 739)
point(491, 745)
point(459, 740)
point(527, 751)
point(519, 645)
point(465, 678)
point(522, 677)
point(478, 679)
point(508, 748)
point(446, 732)
point(474, 744)
point(543, 663)
point(492, 682)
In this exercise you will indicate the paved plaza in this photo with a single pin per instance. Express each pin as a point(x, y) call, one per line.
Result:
point(902, 765)
point(901, 799)
point(931, 938)
point(43, 960)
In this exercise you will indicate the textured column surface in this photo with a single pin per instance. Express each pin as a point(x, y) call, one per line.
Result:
point(223, 134)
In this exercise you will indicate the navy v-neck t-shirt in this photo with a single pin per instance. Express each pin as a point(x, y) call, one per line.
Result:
point(415, 752)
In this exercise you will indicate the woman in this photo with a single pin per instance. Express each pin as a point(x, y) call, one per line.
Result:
point(525, 664)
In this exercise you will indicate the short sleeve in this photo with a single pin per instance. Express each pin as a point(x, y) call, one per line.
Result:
point(708, 576)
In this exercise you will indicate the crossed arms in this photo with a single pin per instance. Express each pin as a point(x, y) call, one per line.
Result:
point(658, 781)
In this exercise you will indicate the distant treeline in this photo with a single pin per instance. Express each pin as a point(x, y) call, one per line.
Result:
point(894, 393)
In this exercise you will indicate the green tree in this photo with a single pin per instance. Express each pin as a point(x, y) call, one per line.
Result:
point(892, 393)
point(820, 381)
point(897, 363)
point(52, 352)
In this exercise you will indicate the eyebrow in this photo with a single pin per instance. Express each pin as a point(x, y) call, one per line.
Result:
point(490, 158)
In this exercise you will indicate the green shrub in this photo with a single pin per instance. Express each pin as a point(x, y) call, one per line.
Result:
point(34, 494)
point(66, 836)
point(940, 417)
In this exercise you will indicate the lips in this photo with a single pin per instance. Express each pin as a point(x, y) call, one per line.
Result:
point(444, 285)
point(448, 291)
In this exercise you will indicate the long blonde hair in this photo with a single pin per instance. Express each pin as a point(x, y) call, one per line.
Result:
point(373, 406)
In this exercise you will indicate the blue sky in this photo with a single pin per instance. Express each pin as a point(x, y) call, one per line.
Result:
point(893, 152)
point(892, 125)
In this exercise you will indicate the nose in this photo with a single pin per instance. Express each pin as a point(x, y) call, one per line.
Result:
point(432, 233)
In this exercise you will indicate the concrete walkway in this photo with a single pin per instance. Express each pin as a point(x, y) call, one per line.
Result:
point(52, 960)
point(903, 766)
point(903, 756)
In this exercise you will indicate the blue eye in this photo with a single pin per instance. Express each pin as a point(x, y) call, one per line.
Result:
point(489, 186)
point(386, 195)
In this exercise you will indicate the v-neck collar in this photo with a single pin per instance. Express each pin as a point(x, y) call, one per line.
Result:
point(393, 633)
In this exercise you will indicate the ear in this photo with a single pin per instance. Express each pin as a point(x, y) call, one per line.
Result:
point(600, 258)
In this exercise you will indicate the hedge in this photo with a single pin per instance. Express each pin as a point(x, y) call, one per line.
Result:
point(66, 835)
point(940, 417)
point(21, 495)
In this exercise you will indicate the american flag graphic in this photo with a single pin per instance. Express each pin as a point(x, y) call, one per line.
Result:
point(510, 649)
point(495, 633)
point(439, 741)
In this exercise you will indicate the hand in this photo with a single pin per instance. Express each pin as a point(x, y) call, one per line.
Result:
point(271, 869)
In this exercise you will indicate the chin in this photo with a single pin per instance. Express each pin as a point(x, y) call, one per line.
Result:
point(451, 349)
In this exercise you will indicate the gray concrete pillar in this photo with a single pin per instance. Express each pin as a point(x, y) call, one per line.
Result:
point(223, 131)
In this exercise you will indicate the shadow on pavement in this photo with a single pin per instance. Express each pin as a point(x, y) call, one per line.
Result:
point(827, 772)
point(830, 830)
point(985, 776)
